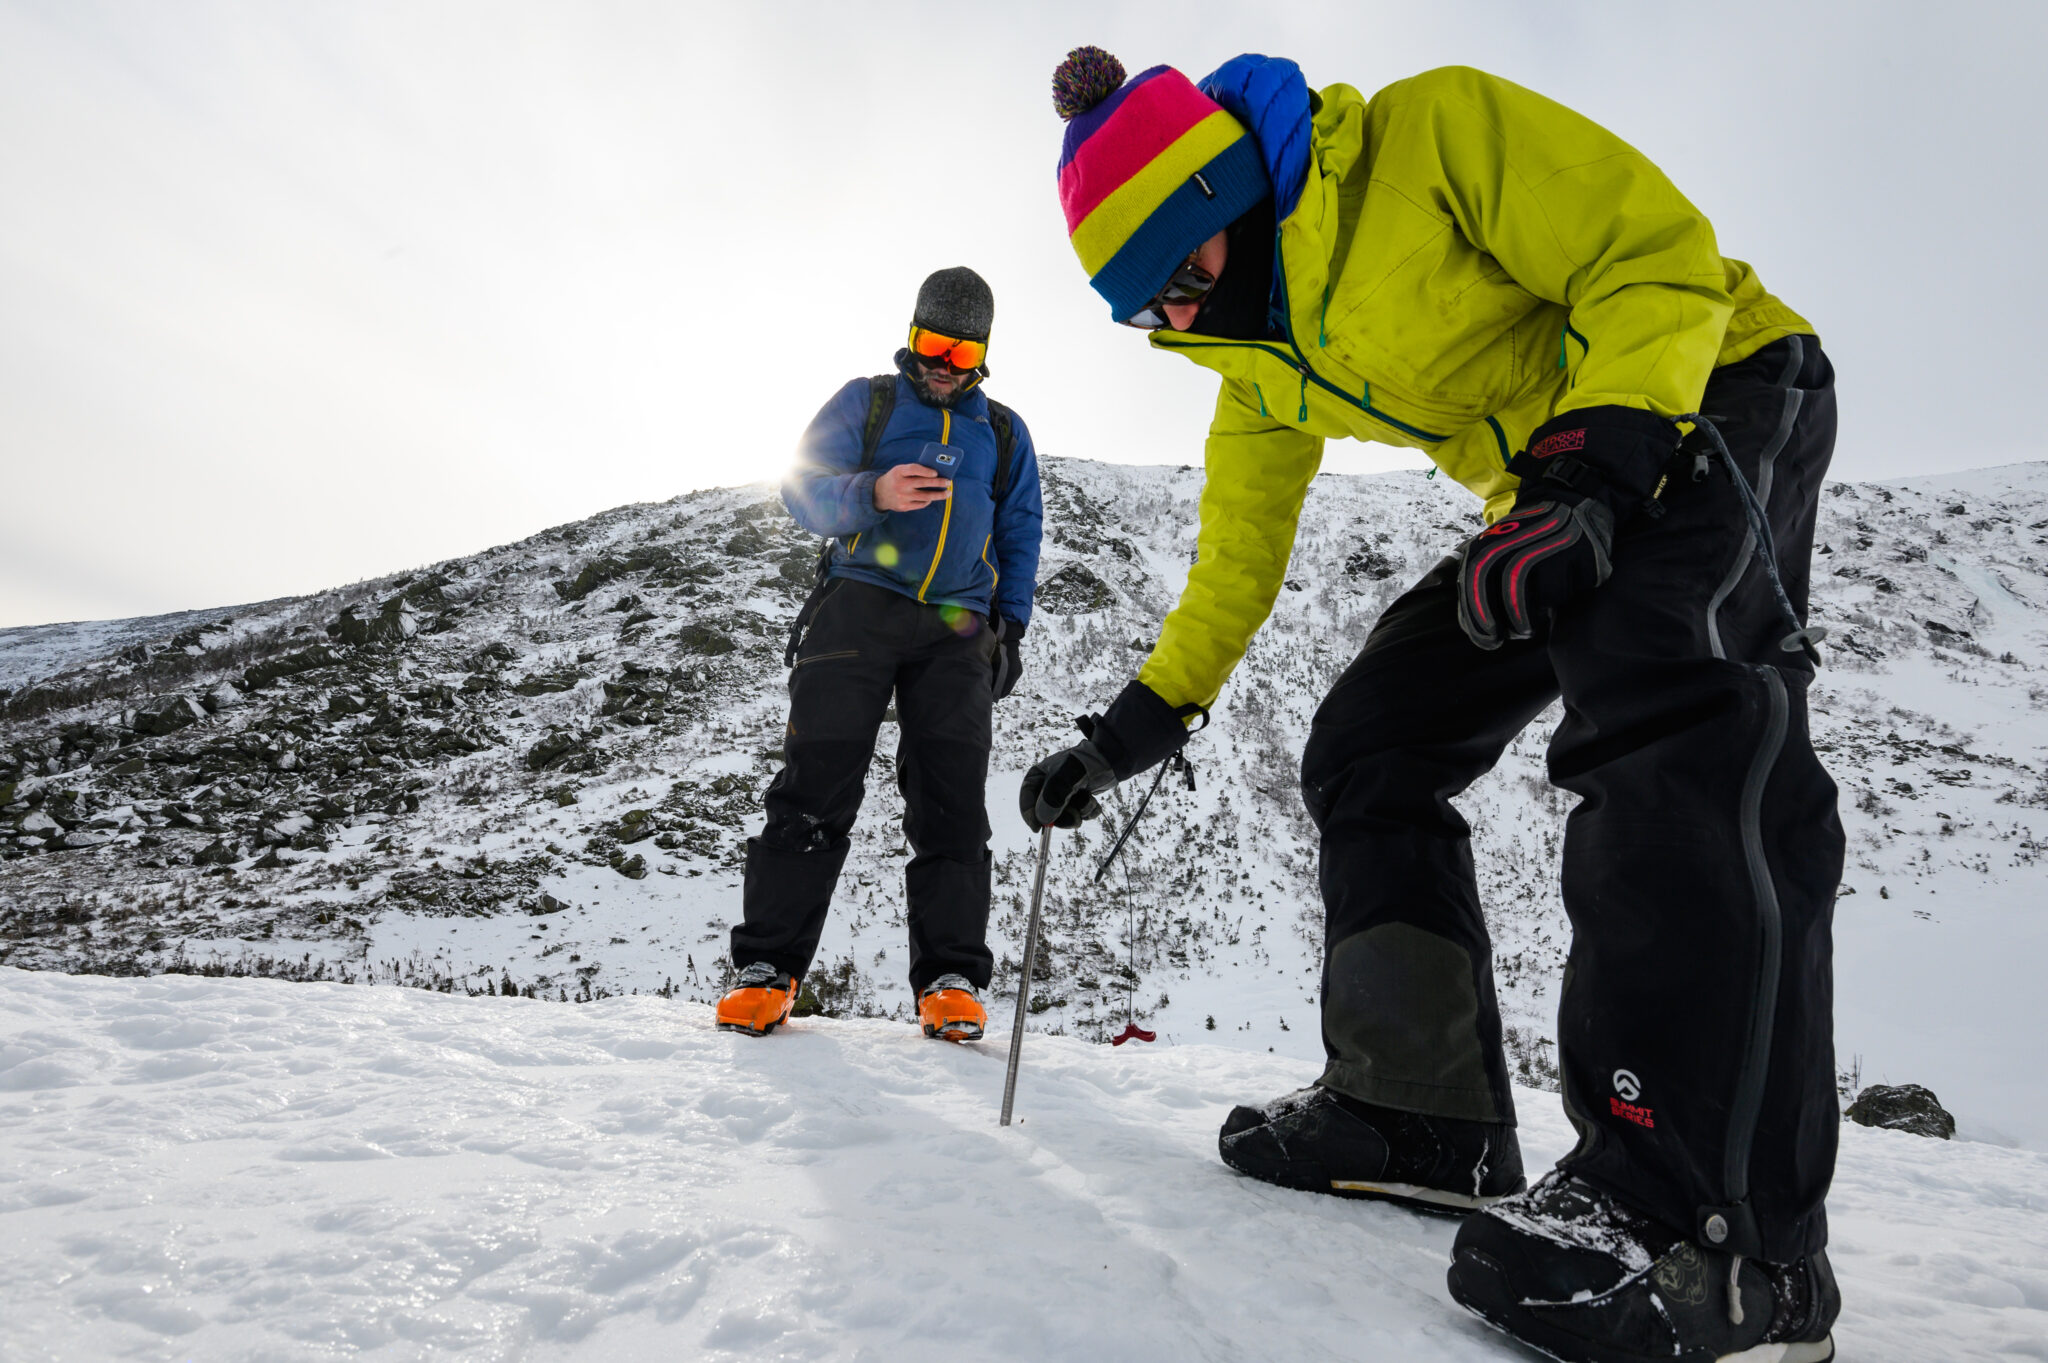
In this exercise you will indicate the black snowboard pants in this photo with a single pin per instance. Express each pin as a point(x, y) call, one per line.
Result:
point(1695, 1028)
point(865, 645)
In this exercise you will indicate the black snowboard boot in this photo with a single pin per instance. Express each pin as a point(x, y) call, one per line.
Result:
point(1581, 1277)
point(1321, 1141)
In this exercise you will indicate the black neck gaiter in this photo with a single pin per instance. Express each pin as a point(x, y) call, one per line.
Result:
point(1237, 308)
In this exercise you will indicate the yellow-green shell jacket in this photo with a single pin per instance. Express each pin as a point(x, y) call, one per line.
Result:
point(1467, 260)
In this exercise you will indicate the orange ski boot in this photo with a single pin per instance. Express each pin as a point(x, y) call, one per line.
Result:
point(950, 1009)
point(759, 1001)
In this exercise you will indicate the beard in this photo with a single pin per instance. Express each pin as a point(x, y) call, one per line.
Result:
point(937, 399)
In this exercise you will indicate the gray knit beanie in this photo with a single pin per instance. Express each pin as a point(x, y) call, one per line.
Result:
point(955, 303)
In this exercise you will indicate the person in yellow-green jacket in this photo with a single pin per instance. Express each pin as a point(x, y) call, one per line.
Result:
point(1461, 266)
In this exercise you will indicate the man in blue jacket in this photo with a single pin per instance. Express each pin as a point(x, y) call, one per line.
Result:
point(928, 491)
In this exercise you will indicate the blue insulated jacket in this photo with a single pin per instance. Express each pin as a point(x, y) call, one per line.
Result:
point(964, 551)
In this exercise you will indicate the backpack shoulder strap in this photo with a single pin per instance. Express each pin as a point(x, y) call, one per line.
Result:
point(1005, 423)
point(881, 402)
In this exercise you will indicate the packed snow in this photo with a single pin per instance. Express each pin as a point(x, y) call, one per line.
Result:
point(251, 1169)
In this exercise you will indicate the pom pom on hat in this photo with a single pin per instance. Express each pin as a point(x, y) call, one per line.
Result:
point(1088, 76)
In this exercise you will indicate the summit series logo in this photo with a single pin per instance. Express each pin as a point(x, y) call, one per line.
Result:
point(1628, 1088)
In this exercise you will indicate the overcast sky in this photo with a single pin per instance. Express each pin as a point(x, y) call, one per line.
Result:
point(294, 293)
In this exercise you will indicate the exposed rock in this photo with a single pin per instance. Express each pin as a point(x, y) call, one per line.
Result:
point(562, 750)
point(291, 665)
point(216, 853)
point(437, 591)
point(632, 868)
point(222, 697)
point(636, 825)
point(639, 696)
point(1903, 1107)
point(70, 808)
point(748, 542)
point(1074, 590)
point(599, 571)
point(1371, 564)
point(594, 575)
point(346, 703)
point(704, 639)
point(1090, 542)
point(167, 714)
point(285, 829)
point(194, 641)
point(547, 683)
point(393, 624)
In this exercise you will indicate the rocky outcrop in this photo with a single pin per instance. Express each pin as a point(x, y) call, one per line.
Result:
point(1903, 1107)
point(394, 623)
point(1074, 590)
point(291, 665)
point(166, 715)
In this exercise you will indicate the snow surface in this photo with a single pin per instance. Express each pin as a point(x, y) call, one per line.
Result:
point(250, 1169)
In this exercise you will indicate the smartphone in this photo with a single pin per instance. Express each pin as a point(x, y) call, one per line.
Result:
point(940, 459)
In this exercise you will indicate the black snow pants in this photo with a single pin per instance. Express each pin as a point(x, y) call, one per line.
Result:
point(1695, 1028)
point(865, 645)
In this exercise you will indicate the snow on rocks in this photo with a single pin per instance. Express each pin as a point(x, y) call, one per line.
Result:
point(242, 1169)
point(461, 773)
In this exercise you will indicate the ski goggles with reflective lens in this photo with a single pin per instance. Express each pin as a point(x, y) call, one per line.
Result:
point(1190, 284)
point(930, 345)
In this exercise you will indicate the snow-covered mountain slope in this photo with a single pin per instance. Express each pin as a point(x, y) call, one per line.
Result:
point(534, 767)
point(246, 1169)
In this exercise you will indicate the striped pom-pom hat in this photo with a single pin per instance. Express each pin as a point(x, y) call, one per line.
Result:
point(1150, 169)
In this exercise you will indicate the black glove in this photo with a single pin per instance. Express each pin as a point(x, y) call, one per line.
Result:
point(1009, 659)
point(1140, 731)
point(1584, 472)
point(1060, 790)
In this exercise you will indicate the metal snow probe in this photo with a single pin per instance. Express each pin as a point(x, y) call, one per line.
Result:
point(1178, 762)
point(1024, 972)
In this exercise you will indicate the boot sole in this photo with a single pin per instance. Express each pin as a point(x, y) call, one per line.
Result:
point(745, 1030)
point(954, 1031)
point(1415, 1195)
point(1533, 1332)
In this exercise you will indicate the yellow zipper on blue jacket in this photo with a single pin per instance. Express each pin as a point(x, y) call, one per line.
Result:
point(946, 518)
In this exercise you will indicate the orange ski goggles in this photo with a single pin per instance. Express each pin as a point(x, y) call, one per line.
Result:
point(930, 345)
